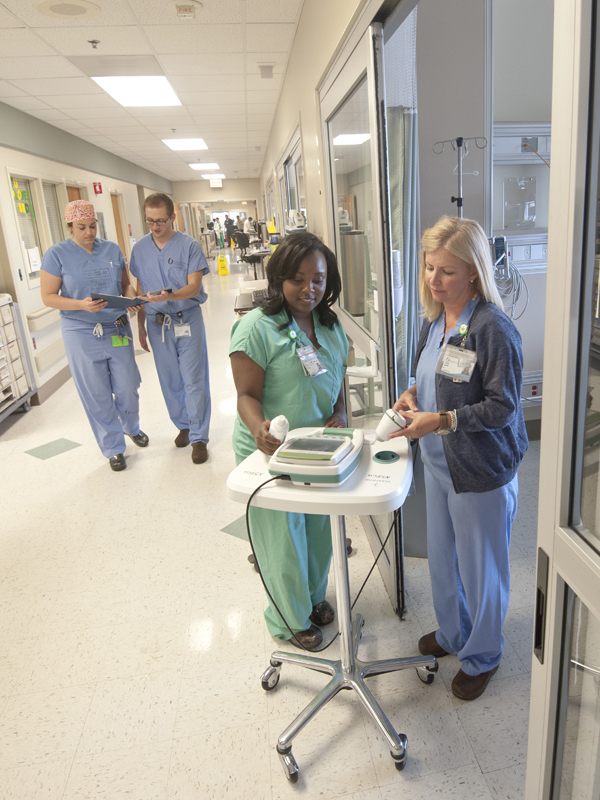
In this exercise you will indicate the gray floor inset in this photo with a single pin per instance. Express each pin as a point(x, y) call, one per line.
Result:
point(51, 449)
point(237, 528)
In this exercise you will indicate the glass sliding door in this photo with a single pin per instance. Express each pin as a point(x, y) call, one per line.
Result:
point(354, 114)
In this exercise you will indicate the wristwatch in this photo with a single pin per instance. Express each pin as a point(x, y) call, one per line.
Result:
point(445, 423)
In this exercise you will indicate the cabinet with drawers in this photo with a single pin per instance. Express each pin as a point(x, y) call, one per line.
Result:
point(16, 384)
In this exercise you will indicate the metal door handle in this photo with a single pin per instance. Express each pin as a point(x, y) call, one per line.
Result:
point(541, 595)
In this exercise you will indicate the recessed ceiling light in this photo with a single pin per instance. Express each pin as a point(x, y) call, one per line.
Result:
point(186, 144)
point(213, 176)
point(139, 90)
point(204, 166)
point(67, 9)
point(351, 138)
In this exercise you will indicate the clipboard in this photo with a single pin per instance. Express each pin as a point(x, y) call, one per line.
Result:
point(116, 301)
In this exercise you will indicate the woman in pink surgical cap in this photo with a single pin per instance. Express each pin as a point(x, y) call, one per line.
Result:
point(97, 338)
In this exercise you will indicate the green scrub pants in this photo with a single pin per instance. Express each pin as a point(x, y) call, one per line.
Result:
point(294, 554)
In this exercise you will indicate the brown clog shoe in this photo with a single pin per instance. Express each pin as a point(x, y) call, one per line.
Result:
point(309, 639)
point(428, 646)
point(199, 453)
point(322, 613)
point(470, 687)
point(183, 438)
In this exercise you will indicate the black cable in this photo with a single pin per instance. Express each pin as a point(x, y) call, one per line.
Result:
point(270, 596)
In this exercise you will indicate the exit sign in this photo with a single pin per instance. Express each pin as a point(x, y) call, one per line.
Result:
point(216, 183)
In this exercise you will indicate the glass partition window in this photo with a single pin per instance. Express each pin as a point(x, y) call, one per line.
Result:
point(290, 179)
point(349, 137)
point(300, 184)
point(53, 213)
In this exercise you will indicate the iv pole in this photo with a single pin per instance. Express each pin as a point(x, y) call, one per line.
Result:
point(458, 144)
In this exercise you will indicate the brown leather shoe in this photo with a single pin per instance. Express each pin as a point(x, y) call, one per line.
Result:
point(309, 639)
point(470, 687)
point(183, 438)
point(199, 453)
point(322, 613)
point(428, 646)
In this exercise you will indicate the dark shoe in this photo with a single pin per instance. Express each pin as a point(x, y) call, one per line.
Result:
point(322, 613)
point(309, 639)
point(183, 438)
point(469, 687)
point(117, 463)
point(199, 453)
point(140, 439)
point(428, 646)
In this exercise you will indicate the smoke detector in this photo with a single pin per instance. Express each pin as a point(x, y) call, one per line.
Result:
point(68, 9)
point(184, 9)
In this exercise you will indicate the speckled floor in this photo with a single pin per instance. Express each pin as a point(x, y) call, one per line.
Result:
point(132, 638)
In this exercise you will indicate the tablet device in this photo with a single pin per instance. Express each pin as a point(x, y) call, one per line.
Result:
point(115, 301)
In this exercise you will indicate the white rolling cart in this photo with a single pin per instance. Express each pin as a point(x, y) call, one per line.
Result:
point(16, 383)
point(376, 487)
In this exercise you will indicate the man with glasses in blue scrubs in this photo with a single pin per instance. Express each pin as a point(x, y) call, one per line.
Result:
point(169, 266)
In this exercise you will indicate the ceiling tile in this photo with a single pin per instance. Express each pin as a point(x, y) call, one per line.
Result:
point(116, 40)
point(73, 126)
point(14, 42)
point(111, 121)
point(204, 38)
point(110, 10)
point(25, 103)
point(8, 20)
point(50, 115)
point(263, 97)
point(48, 66)
point(196, 64)
point(120, 130)
point(157, 12)
point(269, 37)
point(178, 113)
point(76, 101)
point(8, 90)
point(279, 61)
point(92, 114)
point(206, 83)
point(58, 86)
point(254, 83)
point(268, 109)
point(273, 10)
point(164, 131)
point(211, 99)
point(225, 112)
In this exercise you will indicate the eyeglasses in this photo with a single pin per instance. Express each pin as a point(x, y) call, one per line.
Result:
point(157, 221)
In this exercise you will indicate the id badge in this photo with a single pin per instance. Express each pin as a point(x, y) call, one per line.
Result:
point(456, 363)
point(120, 341)
point(182, 330)
point(310, 361)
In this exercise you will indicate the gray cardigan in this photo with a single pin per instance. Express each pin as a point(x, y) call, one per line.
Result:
point(490, 441)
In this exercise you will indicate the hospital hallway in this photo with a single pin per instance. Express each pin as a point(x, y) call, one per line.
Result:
point(133, 639)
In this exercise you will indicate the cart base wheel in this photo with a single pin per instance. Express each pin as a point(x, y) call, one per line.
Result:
point(290, 767)
point(270, 678)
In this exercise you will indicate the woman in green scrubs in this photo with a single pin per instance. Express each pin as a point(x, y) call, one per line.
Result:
point(293, 550)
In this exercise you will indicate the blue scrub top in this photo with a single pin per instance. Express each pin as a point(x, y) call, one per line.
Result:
point(168, 268)
point(432, 446)
point(82, 273)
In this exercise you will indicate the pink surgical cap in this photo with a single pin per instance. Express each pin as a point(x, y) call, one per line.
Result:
point(79, 209)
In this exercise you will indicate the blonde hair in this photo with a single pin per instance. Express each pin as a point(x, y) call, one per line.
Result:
point(464, 239)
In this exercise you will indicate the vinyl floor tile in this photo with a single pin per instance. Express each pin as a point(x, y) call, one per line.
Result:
point(464, 783)
point(45, 781)
point(507, 783)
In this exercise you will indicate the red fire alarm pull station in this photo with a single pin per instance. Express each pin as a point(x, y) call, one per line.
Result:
point(97, 188)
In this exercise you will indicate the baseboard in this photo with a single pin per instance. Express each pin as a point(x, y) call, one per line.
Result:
point(51, 386)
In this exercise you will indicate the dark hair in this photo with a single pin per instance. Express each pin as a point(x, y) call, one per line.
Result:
point(284, 265)
point(160, 199)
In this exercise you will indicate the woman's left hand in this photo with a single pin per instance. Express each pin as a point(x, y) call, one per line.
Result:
point(336, 420)
point(419, 424)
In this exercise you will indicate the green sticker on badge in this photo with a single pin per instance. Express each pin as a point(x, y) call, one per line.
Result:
point(463, 329)
point(120, 341)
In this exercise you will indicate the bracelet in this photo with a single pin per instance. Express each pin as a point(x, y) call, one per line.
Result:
point(453, 421)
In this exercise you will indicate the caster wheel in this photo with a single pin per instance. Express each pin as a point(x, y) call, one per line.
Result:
point(289, 766)
point(270, 678)
point(427, 674)
point(400, 765)
point(26, 406)
point(349, 546)
point(252, 561)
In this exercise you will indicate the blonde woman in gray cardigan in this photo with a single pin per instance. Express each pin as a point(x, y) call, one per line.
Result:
point(465, 409)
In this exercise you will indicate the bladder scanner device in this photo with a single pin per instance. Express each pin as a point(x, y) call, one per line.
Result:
point(296, 222)
point(344, 220)
point(323, 457)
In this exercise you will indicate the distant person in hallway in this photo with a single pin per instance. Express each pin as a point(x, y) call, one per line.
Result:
point(168, 259)
point(229, 228)
point(470, 473)
point(218, 231)
point(98, 340)
point(249, 226)
point(293, 550)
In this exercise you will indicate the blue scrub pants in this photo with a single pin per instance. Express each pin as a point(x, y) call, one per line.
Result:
point(182, 366)
point(468, 536)
point(107, 380)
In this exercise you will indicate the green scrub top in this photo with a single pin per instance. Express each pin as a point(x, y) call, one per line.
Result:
point(305, 401)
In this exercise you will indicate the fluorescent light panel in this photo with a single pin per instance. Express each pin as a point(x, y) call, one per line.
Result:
point(186, 144)
point(210, 177)
point(351, 138)
point(140, 90)
point(204, 166)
